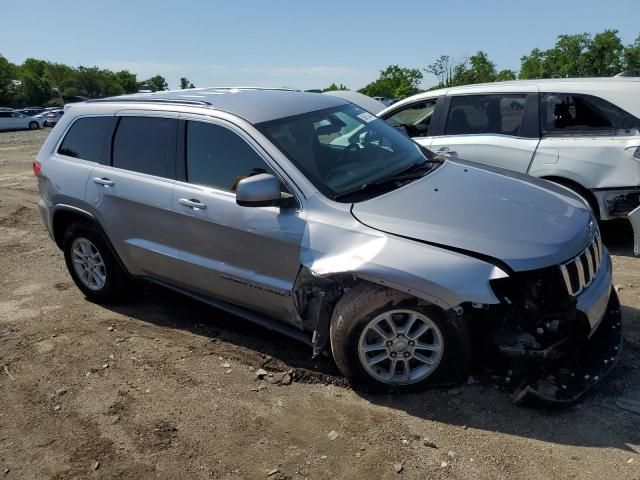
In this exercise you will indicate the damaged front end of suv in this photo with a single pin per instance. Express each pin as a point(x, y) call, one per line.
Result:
point(557, 336)
point(517, 266)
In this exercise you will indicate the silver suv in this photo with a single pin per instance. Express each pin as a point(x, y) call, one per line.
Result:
point(406, 265)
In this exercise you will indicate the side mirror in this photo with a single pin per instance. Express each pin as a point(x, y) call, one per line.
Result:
point(262, 190)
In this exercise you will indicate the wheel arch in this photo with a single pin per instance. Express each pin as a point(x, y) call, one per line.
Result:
point(65, 215)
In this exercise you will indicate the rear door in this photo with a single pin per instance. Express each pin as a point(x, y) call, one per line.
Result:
point(248, 256)
point(588, 140)
point(498, 128)
point(132, 194)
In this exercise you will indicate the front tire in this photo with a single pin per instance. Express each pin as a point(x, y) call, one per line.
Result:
point(33, 126)
point(385, 340)
point(92, 265)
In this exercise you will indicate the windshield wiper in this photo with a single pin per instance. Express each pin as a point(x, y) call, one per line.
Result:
point(401, 177)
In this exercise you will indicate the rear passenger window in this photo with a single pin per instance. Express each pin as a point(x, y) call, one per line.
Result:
point(565, 112)
point(88, 139)
point(485, 114)
point(145, 145)
point(219, 158)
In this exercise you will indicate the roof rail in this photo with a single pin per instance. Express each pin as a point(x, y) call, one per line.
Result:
point(150, 100)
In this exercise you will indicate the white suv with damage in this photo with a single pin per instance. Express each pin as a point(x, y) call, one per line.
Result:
point(581, 133)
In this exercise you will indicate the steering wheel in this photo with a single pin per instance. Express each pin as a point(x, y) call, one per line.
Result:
point(349, 152)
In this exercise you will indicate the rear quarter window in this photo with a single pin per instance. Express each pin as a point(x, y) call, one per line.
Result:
point(579, 113)
point(88, 139)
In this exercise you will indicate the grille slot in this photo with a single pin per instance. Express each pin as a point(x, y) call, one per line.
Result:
point(579, 272)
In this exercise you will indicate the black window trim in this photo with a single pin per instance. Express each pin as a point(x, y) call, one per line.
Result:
point(171, 165)
point(181, 156)
point(56, 150)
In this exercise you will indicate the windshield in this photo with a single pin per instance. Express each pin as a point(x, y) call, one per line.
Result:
point(344, 148)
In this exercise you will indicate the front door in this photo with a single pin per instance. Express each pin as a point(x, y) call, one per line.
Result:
point(248, 256)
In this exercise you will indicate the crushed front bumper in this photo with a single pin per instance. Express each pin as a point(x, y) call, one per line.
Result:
point(575, 376)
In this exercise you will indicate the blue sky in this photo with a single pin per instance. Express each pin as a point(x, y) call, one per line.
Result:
point(300, 44)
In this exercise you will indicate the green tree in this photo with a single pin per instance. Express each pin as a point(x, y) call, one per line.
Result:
point(604, 55)
point(33, 66)
point(395, 82)
point(505, 75)
point(34, 90)
point(157, 83)
point(127, 81)
point(533, 65)
point(94, 83)
point(442, 69)
point(631, 57)
point(60, 76)
point(185, 83)
point(478, 69)
point(7, 75)
point(333, 87)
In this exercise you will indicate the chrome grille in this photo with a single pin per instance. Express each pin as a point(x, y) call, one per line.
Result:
point(579, 272)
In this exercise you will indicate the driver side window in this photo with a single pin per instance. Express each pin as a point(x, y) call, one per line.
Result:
point(219, 158)
point(415, 118)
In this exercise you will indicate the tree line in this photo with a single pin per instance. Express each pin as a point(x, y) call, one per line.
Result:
point(579, 55)
point(39, 82)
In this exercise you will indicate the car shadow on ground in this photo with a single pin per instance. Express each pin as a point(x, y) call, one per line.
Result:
point(485, 406)
point(254, 345)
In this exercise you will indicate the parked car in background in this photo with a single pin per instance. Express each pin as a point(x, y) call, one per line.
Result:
point(51, 117)
point(31, 111)
point(400, 262)
point(14, 120)
point(386, 101)
point(581, 133)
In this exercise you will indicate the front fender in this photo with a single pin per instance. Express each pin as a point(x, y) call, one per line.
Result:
point(440, 276)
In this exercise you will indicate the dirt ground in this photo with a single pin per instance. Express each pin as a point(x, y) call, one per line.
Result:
point(164, 387)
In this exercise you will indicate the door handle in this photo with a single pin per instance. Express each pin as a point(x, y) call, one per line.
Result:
point(103, 181)
point(192, 203)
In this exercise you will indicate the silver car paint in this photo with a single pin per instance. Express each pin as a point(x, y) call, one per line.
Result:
point(471, 208)
point(324, 235)
point(335, 242)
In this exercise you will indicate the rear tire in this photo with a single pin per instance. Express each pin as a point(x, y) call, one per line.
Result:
point(357, 345)
point(92, 265)
point(33, 126)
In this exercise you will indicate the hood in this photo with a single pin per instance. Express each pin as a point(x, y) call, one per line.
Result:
point(526, 223)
